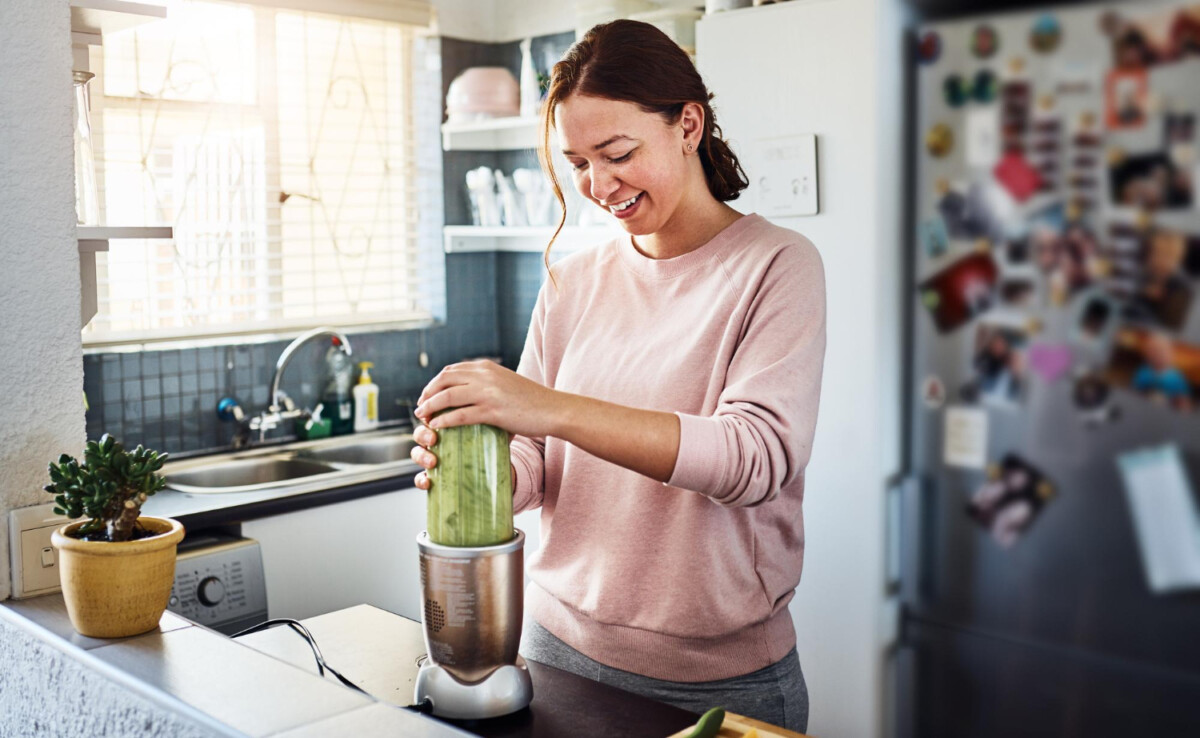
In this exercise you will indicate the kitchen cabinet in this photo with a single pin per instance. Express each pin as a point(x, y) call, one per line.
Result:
point(322, 559)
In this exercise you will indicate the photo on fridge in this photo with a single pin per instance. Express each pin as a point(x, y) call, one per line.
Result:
point(1014, 495)
point(963, 290)
point(1153, 365)
point(999, 364)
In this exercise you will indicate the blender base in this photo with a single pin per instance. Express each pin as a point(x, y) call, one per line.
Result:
point(504, 691)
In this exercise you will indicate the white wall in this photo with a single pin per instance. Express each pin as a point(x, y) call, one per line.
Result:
point(41, 365)
point(832, 68)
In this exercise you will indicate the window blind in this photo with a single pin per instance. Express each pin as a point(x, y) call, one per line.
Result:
point(295, 154)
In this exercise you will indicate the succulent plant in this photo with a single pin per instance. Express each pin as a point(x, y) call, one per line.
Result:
point(109, 486)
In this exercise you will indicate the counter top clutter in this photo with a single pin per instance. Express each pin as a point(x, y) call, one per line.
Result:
point(266, 683)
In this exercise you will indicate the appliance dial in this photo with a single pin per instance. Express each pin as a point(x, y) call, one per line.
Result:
point(211, 591)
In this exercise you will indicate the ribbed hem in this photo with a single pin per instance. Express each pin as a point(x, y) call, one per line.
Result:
point(700, 443)
point(661, 656)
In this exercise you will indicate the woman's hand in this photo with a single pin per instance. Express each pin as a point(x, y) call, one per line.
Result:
point(485, 392)
point(421, 454)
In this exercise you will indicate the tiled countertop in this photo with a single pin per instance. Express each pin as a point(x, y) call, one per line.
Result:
point(228, 687)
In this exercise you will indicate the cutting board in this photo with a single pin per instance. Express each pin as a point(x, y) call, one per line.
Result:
point(736, 726)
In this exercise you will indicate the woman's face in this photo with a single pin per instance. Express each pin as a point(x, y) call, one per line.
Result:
point(625, 160)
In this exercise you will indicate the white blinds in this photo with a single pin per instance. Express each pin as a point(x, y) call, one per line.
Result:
point(283, 147)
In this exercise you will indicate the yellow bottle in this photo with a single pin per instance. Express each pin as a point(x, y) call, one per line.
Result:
point(366, 400)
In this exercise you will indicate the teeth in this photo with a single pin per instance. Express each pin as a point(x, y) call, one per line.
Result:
point(622, 205)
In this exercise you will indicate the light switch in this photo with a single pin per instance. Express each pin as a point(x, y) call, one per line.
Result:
point(784, 175)
point(34, 560)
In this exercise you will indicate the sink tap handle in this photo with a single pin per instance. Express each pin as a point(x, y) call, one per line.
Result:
point(229, 410)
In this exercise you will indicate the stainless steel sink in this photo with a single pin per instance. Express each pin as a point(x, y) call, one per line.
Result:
point(385, 450)
point(243, 475)
point(301, 467)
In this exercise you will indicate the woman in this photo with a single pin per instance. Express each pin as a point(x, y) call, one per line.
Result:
point(665, 403)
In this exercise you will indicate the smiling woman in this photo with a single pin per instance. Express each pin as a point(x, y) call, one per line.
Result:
point(665, 405)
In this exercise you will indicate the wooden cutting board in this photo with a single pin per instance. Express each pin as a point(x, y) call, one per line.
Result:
point(736, 726)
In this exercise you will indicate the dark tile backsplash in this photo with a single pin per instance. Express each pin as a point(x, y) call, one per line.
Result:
point(167, 399)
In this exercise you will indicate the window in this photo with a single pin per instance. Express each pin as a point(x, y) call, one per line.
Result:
point(296, 155)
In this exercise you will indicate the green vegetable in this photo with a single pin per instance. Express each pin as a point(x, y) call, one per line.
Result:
point(470, 495)
point(710, 724)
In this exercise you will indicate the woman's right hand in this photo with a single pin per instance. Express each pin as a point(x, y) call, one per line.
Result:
point(425, 438)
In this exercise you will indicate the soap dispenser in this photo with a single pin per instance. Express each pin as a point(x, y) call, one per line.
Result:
point(366, 400)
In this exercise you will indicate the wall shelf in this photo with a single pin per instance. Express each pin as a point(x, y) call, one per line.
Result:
point(468, 239)
point(99, 17)
point(499, 134)
point(93, 239)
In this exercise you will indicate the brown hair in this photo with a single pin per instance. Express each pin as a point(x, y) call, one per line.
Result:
point(635, 62)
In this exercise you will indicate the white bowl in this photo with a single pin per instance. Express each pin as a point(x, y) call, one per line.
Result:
point(482, 92)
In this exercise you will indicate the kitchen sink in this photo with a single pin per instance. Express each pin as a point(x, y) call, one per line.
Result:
point(243, 475)
point(386, 450)
point(302, 466)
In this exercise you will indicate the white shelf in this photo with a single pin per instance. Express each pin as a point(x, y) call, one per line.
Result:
point(107, 233)
point(95, 238)
point(108, 16)
point(467, 239)
point(499, 134)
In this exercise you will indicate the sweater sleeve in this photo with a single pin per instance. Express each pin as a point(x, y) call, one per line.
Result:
point(529, 454)
point(759, 438)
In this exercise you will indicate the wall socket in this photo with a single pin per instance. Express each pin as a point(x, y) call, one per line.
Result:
point(34, 560)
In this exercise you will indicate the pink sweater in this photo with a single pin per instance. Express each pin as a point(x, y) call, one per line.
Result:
point(688, 581)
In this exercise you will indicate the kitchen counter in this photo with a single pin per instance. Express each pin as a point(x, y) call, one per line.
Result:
point(265, 684)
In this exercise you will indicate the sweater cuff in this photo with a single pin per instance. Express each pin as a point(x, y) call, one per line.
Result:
point(700, 465)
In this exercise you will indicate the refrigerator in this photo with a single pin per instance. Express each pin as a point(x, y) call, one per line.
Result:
point(1050, 573)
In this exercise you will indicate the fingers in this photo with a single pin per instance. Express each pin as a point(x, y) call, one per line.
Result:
point(422, 481)
point(423, 457)
point(424, 436)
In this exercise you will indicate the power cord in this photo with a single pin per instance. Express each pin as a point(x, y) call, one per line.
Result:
point(425, 706)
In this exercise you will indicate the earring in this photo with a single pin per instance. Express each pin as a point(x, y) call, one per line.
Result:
point(689, 148)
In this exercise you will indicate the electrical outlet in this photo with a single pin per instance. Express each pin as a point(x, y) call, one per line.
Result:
point(34, 560)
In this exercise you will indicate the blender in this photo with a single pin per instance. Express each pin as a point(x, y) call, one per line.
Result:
point(472, 581)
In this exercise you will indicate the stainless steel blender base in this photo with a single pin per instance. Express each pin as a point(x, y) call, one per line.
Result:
point(504, 691)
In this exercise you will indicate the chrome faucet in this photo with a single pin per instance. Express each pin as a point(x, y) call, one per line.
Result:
point(281, 408)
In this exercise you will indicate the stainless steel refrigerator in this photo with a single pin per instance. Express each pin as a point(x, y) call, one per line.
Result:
point(1050, 577)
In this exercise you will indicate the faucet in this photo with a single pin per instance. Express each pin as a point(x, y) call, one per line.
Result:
point(281, 407)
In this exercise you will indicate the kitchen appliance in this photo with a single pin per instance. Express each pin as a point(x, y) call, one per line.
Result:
point(219, 582)
point(472, 603)
point(1030, 606)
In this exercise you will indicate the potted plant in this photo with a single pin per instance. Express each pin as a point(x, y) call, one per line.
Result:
point(116, 568)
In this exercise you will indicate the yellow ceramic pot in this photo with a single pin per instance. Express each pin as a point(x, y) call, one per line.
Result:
point(113, 590)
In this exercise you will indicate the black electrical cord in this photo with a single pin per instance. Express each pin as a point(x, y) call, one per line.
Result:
point(424, 706)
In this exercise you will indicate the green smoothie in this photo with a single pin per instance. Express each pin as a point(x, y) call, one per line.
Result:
point(470, 494)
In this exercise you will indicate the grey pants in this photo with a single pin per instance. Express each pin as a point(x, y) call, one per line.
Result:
point(776, 693)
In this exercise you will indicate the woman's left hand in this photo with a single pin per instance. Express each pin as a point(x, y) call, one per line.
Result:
point(485, 392)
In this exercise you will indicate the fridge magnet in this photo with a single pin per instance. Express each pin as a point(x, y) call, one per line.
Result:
point(1179, 134)
point(999, 364)
point(1046, 34)
point(955, 91)
point(934, 239)
point(983, 138)
point(1050, 360)
point(1154, 38)
point(1132, 45)
point(1164, 293)
point(984, 42)
point(939, 141)
point(929, 48)
point(1018, 177)
point(933, 392)
point(1090, 391)
point(1164, 371)
point(964, 438)
point(1065, 253)
point(960, 292)
point(1010, 500)
point(1125, 99)
point(1150, 181)
point(1094, 321)
point(985, 86)
point(1165, 517)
